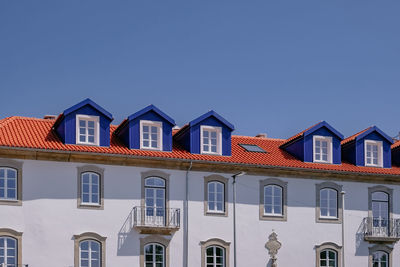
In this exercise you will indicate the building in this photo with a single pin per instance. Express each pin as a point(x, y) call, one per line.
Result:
point(78, 191)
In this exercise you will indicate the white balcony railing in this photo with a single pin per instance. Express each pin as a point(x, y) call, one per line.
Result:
point(381, 229)
point(156, 217)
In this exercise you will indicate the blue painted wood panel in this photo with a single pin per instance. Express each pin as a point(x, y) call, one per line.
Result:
point(360, 149)
point(67, 128)
point(396, 156)
point(296, 149)
point(323, 131)
point(130, 132)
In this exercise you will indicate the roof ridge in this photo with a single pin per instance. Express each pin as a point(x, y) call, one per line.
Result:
point(258, 138)
point(352, 137)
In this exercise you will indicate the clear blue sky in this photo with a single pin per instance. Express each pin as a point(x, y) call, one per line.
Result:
point(266, 66)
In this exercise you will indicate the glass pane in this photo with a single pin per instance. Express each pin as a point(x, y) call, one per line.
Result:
point(11, 193)
point(205, 134)
point(82, 123)
point(380, 196)
point(85, 245)
point(213, 134)
point(153, 129)
point(11, 173)
point(91, 124)
point(91, 139)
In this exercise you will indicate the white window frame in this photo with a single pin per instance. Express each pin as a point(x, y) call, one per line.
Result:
point(328, 207)
point(154, 255)
point(322, 138)
point(89, 259)
point(90, 202)
point(6, 187)
point(214, 255)
point(6, 250)
point(380, 152)
point(87, 118)
point(273, 213)
point(159, 126)
point(215, 210)
point(218, 130)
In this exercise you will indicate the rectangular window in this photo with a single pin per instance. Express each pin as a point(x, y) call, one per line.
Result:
point(87, 130)
point(216, 197)
point(322, 149)
point(151, 135)
point(210, 140)
point(8, 184)
point(90, 188)
point(273, 200)
point(373, 153)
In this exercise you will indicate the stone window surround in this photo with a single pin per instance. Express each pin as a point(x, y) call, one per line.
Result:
point(17, 165)
point(100, 172)
point(331, 246)
point(17, 236)
point(338, 188)
point(154, 239)
point(283, 185)
point(380, 247)
point(214, 242)
point(89, 236)
point(380, 188)
point(217, 178)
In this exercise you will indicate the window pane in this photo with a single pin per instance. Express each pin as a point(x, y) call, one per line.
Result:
point(82, 123)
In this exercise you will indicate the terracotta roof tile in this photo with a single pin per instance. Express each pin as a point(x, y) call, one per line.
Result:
point(22, 132)
point(351, 138)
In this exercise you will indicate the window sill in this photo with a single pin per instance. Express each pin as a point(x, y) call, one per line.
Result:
point(272, 217)
point(11, 202)
point(216, 213)
point(90, 206)
point(328, 220)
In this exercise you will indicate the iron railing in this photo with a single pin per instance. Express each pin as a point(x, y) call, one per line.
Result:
point(381, 228)
point(156, 217)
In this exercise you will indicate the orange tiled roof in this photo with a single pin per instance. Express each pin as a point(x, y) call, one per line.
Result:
point(396, 144)
point(22, 132)
point(354, 136)
point(299, 134)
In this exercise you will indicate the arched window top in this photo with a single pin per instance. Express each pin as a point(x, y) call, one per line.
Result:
point(380, 196)
point(215, 256)
point(90, 172)
point(328, 258)
point(154, 255)
point(155, 182)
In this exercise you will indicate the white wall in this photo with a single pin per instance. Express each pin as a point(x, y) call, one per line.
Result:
point(49, 218)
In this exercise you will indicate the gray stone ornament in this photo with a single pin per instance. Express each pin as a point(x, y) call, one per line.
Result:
point(273, 245)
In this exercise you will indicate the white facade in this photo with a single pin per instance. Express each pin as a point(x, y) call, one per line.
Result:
point(49, 218)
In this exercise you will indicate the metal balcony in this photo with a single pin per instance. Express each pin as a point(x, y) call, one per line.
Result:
point(151, 220)
point(381, 230)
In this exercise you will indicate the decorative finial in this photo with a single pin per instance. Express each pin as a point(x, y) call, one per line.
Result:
point(273, 245)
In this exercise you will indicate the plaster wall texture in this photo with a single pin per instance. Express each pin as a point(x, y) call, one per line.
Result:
point(49, 218)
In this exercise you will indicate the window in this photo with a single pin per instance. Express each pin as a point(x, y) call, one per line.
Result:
point(215, 253)
point(151, 135)
point(322, 149)
point(328, 255)
point(215, 195)
point(155, 201)
point(155, 198)
point(380, 209)
point(328, 258)
point(8, 251)
point(10, 182)
point(273, 199)
point(328, 202)
point(380, 256)
point(373, 153)
point(10, 248)
point(154, 251)
point(87, 130)
point(154, 255)
point(89, 250)
point(252, 148)
point(90, 187)
point(380, 259)
point(210, 140)
point(215, 256)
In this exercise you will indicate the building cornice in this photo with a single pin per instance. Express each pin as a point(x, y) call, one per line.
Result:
point(197, 165)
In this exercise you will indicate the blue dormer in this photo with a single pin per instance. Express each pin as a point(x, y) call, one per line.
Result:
point(149, 129)
point(85, 123)
point(208, 134)
point(319, 143)
point(370, 147)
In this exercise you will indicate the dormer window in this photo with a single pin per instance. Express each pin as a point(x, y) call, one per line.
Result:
point(87, 130)
point(151, 135)
point(373, 153)
point(210, 140)
point(322, 149)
